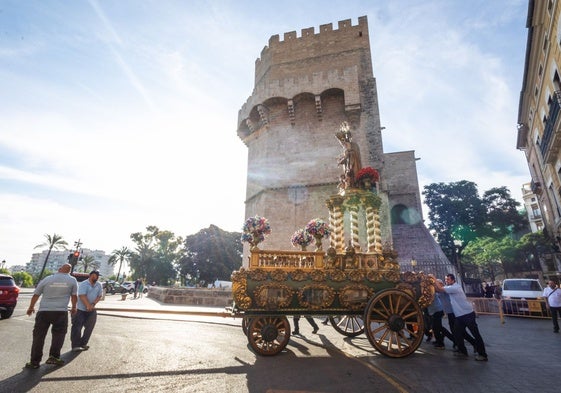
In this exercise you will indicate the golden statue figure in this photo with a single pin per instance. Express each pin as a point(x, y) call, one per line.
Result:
point(350, 159)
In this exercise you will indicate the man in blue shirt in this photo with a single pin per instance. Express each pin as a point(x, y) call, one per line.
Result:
point(89, 293)
point(465, 317)
point(57, 290)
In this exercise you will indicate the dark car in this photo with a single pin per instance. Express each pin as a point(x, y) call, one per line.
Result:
point(9, 292)
point(114, 287)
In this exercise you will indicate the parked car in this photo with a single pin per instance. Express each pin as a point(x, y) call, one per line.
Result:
point(516, 292)
point(129, 286)
point(9, 293)
point(114, 287)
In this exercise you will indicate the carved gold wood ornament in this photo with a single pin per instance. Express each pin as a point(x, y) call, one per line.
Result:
point(316, 296)
point(273, 296)
point(355, 296)
point(337, 275)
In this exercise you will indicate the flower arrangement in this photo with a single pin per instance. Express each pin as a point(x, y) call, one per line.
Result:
point(301, 238)
point(255, 229)
point(317, 228)
point(368, 173)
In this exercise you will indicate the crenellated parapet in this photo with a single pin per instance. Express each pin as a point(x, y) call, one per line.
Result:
point(315, 84)
point(325, 42)
point(313, 63)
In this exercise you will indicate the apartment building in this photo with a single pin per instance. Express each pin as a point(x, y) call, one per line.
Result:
point(539, 119)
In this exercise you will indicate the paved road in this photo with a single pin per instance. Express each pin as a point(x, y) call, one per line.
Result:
point(180, 352)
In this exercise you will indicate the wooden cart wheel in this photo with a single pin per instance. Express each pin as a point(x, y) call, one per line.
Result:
point(268, 335)
point(394, 323)
point(245, 324)
point(348, 325)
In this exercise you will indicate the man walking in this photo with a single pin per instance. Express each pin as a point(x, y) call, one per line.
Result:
point(56, 289)
point(89, 293)
point(311, 321)
point(465, 317)
point(552, 295)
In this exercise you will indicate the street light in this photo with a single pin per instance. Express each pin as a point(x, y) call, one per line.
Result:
point(413, 263)
point(457, 250)
point(3, 263)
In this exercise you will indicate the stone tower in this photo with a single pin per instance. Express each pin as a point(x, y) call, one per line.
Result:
point(305, 87)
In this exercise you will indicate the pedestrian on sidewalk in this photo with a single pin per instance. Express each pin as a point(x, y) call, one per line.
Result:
point(57, 290)
point(552, 295)
point(465, 317)
point(140, 287)
point(89, 293)
point(136, 285)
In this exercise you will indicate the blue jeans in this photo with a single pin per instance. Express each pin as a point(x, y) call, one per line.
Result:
point(85, 320)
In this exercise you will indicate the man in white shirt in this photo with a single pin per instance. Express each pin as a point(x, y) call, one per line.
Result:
point(552, 295)
point(465, 317)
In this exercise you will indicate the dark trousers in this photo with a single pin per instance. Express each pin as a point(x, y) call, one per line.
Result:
point(460, 324)
point(555, 311)
point(309, 319)
point(440, 331)
point(85, 320)
point(467, 336)
point(44, 320)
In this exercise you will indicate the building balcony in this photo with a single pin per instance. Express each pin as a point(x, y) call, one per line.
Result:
point(551, 140)
point(536, 187)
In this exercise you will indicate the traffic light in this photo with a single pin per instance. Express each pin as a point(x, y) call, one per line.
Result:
point(73, 258)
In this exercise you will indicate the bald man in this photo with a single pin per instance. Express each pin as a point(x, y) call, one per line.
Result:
point(56, 290)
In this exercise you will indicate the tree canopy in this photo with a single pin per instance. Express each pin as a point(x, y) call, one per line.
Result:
point(155, 256)
point(211, 254)
point(458, 216)
point(457, 212)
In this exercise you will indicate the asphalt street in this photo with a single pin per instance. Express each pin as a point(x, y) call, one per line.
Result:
point(145, 346)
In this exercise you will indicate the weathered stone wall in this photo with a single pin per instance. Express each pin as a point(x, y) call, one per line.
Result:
point(305, 87)
point(192, 296)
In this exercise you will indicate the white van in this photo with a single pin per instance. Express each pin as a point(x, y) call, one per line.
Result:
point(522, 288)
point(517, 292)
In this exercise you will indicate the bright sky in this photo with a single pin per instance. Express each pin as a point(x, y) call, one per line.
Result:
point(116, 115)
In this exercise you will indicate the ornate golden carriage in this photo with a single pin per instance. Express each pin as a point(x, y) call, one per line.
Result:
point(361, 292)
point(357, 282)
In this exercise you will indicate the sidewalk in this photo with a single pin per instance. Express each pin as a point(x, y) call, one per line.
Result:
point(114, 303)
point(144, 304)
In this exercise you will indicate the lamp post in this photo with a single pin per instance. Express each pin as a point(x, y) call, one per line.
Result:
point(413, 263)
point(3, 263)
point(457, 251)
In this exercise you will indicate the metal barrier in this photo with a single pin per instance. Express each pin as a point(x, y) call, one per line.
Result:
point(511, 307)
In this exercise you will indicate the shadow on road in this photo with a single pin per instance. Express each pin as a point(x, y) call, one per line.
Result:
point(27, 379)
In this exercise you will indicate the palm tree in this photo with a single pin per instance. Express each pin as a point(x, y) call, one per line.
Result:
point(89, 260)
point(121, 256)
point(55, 241)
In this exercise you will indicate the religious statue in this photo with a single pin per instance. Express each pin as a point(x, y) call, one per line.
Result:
point(350, 159)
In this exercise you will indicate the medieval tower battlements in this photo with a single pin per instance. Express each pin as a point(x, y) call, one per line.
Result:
point(305, 88)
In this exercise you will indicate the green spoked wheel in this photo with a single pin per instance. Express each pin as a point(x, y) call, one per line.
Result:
point(393, 322)
point(268, 335)
point(348, 325)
